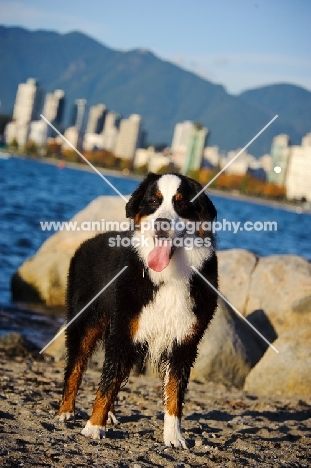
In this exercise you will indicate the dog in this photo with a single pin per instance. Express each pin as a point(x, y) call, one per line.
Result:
point(158, 307)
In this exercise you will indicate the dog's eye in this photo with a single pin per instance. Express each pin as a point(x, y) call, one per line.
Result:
point(182, 204)
point(154, 202)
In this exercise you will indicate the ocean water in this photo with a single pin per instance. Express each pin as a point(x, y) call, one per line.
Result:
point(33, 191)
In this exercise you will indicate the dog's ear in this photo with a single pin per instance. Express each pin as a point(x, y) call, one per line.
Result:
point(208, 210)
point(206, 207)
point(132, 206)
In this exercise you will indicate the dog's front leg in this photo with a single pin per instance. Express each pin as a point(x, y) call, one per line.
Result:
point(174, 386)
point(116, 369)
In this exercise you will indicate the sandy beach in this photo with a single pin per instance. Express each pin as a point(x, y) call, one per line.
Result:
point(223, 427)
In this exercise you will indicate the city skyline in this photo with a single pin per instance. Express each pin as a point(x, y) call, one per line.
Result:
point(287, 166)
point(240, 44)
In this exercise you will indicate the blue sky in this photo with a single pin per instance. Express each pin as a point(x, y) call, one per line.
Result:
point(240, 44)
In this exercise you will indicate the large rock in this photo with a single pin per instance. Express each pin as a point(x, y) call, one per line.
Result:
point(230, 348)
point(289, 371)
point(15, 344)
point(43, 277)
point(235, 272)
point(281, 286)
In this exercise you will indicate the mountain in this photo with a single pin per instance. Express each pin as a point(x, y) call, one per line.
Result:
point(291, 102)
point(137, 81)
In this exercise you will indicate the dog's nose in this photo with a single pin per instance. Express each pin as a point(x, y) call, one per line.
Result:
point(162, 227)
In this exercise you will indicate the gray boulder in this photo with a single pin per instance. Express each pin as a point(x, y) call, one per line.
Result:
point(235, 268)
point(281, 286)
point(15, 344)
point(43, 277)
point(285, 373)
point(230, 348)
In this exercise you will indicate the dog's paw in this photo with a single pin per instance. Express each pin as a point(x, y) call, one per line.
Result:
point(172, 432)
point(64, 416)
point(94, 432)
point(112, 418)
point(178, 442)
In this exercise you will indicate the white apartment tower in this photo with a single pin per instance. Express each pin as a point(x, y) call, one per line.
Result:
point(111, 130)
point(96, 119)
point(195, 148)
point(54, 106)
point(129, 137)
point(280, 152)
point(182, 133)
point(28, 101)
point(298, 174)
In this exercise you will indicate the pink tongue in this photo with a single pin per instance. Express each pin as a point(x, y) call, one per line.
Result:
point(159, 257)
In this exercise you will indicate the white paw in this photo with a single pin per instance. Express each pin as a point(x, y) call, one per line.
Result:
point(177, 442)
point(112, 418)
point(172, 432)
point(95, 432)
point(65, 416)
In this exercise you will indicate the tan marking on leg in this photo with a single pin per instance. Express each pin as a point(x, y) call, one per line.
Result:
point(134, 327)
point(72, 385)
point(73, 382)
point(100, 411)
point(173, 406)
point(103, 404)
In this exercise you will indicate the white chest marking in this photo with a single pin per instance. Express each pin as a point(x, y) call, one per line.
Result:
point(169, 317)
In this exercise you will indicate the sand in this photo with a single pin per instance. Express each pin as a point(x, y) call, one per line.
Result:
point(223, 427)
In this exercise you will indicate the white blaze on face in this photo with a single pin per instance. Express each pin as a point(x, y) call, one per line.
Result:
point(159, 257)
point(168, 186)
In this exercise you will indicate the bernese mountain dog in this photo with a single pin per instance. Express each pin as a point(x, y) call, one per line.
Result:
point(157, 308)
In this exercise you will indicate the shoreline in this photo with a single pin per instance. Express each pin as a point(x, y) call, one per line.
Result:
point(234, 195)
point(259, 201)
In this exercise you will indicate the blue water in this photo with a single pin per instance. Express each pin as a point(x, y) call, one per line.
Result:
point(32, 191)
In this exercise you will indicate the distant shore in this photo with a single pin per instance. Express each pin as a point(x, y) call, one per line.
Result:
point(260, 201)
point(234, 194)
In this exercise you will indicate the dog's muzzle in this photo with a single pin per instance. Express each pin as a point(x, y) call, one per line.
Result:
point(162, 252)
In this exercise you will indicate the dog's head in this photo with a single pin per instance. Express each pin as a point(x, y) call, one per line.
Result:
point(164, 214)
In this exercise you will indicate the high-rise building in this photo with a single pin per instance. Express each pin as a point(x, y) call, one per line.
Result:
point(18, 131)
point(182, 132)
point(96, 119)
point(298, 173)
point(53, 111)
point(28, 101)
point(280, 151)
point(195, 148)
point(129, 137)
point(111, 130)
point(211, 156)
point(79, 114)
point(54, 106)
point(38, 132)
point(240, 165)
point(73, 136)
